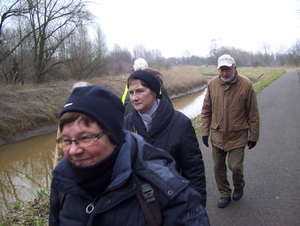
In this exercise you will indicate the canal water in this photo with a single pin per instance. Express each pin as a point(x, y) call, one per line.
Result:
point(26, 166)
point(190, 104)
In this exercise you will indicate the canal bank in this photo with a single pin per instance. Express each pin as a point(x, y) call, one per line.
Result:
point(49, 128)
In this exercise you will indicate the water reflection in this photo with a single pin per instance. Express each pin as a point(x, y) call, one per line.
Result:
point(191, 104)
point(25, 168)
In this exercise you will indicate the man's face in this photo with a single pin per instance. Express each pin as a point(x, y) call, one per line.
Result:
point(227, 73)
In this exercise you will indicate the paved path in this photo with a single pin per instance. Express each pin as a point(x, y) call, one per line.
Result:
point(272, 168)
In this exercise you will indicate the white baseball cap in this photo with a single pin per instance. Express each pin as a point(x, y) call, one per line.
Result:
point(139, 64)
point(225, 60)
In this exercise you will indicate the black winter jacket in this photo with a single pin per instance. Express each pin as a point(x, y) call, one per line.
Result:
point(118, 205)
point(173, 132)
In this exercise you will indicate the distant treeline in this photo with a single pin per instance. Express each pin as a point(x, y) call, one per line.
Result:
point(46, 41)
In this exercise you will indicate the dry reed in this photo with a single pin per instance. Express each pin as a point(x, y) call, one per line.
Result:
point(182, 79)
point(27, 107)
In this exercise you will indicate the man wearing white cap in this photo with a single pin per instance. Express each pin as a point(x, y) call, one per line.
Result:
point(230, 113)
point(139, 64)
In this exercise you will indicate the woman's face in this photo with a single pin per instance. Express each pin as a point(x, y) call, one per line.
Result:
point(95, 152)
point(141, 97)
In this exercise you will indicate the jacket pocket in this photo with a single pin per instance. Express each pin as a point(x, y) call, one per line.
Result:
point(240, 126)
point(214, 125)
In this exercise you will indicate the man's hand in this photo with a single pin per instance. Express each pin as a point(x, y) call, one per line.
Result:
point(205, 140)
point(251, 144)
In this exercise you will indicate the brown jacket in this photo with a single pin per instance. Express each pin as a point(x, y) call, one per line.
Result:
point(230, 110)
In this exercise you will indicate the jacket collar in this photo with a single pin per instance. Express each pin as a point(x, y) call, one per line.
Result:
point(161, 119)
point(122, 168)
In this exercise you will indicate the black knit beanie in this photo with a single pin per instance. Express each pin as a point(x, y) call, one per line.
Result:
point(148, 78)
point(102, 105)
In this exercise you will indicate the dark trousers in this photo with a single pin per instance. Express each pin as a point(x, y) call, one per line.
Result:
point(235, 164)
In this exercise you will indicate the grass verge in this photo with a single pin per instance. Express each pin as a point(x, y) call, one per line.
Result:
point(34, 213)
point(264, 83)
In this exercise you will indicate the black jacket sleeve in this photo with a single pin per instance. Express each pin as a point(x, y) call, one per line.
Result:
point(191, 160)
point(54, 208)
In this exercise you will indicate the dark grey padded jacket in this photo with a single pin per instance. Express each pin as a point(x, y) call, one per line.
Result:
point(118, 205)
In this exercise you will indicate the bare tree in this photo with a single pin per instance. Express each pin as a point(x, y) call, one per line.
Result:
point(139, 51)
point(213, 51)
point(242, 58)
point(53, 21)
point(80, 53)
point(100, 48)
point(120, 60)
point(266, 54)
point(156, 59)
point(156, 54)
point(87, 58)
point(281, 55)
point(16, 65)
point(10, 10)
point(294, 54)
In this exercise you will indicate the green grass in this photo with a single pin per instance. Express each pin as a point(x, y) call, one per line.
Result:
point(40, 222)
point(41, 192)
point(35, 213)
point(209, 71)
point(196, 124)
point(260, 86)
point(16, 205)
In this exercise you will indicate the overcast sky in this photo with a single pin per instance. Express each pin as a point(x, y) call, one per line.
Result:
point(175, 26)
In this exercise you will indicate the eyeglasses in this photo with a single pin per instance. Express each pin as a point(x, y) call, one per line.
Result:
point(83, 141)
point(226, 69)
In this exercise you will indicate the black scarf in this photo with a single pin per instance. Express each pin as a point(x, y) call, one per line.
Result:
point(96, 178)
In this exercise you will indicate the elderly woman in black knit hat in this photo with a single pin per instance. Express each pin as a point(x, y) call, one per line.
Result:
point(109, 176)
point(156, 120)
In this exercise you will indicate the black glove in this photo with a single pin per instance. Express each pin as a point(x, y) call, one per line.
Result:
point(205, 140)
point(251, 144)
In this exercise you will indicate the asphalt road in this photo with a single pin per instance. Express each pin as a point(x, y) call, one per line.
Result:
point(272, 167)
